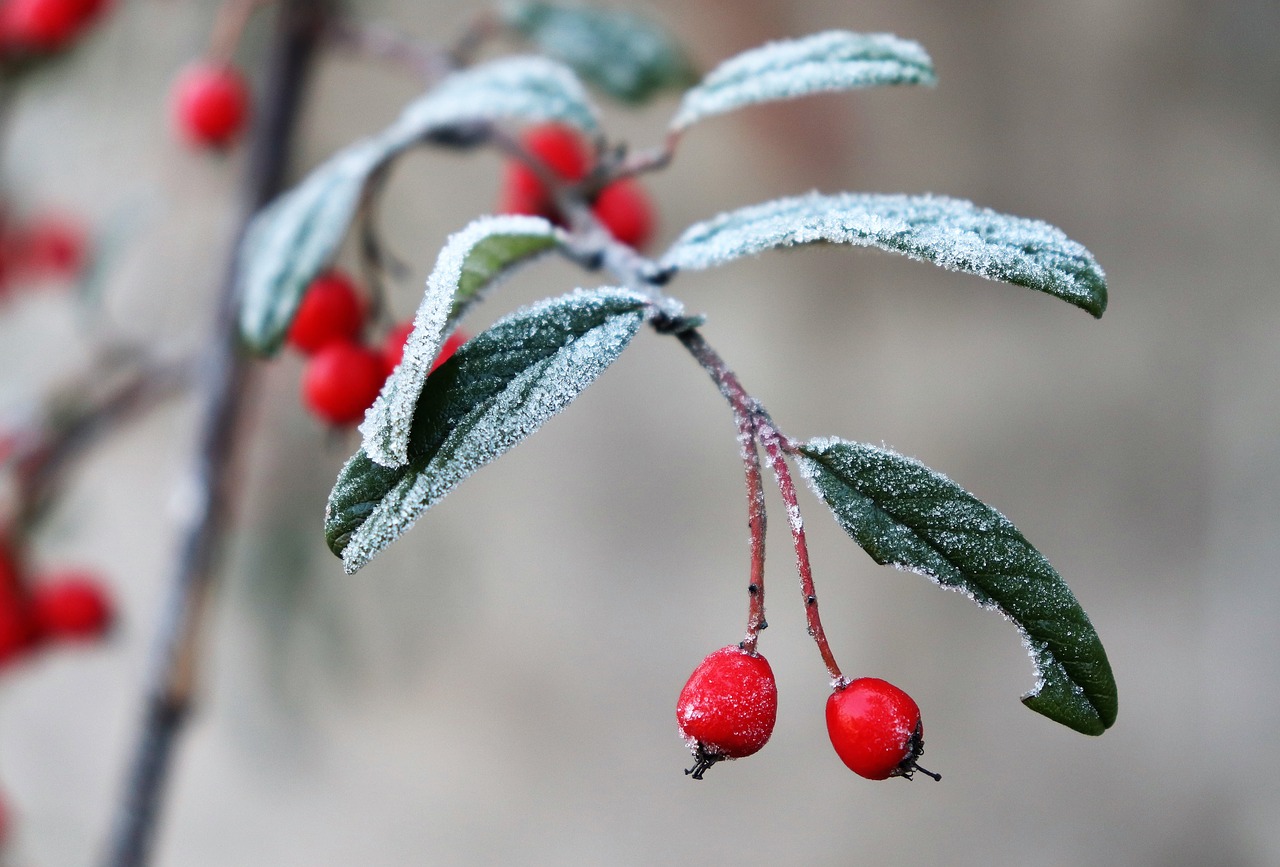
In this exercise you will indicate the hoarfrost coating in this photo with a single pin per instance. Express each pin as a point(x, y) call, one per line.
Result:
point(952, 233)
point(388, 422)
point(496, 424)
point(787, 69)
point(905, 514)
point(298, 235)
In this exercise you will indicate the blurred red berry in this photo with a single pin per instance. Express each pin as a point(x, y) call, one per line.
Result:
point(624, 208)
point(18, 631)
point(72, 606)
point(562, 150)
point(41, 25)
point(210, 104)
point(331, 310)
point(49, 246)
point(341, 382)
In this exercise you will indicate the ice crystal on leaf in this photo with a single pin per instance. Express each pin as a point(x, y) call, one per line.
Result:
point(472, 261)
point(626, 55)
point(833, 60)
point(952, 233)
point(298, 235)
point(497, 389)
point(904, 514)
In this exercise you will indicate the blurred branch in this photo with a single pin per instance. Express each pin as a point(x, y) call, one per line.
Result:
point(121, 386)
point(221, 385)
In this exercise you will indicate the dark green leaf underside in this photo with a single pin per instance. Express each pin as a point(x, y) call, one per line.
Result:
point(905, 514)
point(497, 390)
point(628, 57)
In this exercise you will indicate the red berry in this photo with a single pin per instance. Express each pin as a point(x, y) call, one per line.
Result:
point(624, 208)
point(210, 103)
point(393, 346)
point(728, 707)
point(72, 606)
point(876, 730)
point(341, 382)
point(50, 246)
point(41, 25)
point(562, 150)
point(331, 310)
point(18, 633)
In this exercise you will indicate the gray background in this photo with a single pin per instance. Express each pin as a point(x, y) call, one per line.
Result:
point(498, 687)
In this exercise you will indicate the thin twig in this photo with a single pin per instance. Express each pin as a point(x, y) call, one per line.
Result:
point(222, 385)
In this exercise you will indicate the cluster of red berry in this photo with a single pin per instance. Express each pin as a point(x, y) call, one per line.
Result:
point(32, 28)
point(343, 375)
point(67, 606)
point(622, 206)
point(728, 708)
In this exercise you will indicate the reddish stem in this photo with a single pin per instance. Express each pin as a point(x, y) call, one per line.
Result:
point(775, 445)
point(756, 523)
point(747, 413)
point(754, 422)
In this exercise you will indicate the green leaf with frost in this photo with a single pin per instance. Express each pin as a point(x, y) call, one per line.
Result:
point(951, 233)
point(823, 62)
point(627, 56)
point(907, 515)
point(472, 261)
point(298, 235)
point(497, 389)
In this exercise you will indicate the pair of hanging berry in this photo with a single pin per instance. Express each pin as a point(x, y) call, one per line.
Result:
point(343, 375)
point(729, 705)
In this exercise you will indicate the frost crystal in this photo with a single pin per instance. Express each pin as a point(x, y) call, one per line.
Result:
point(905, 514)
point(480, 255)
point(952, 233)
point(514, 399)
point(298, 235)
point(534, 89)
point(833, 60)
point(627, 55)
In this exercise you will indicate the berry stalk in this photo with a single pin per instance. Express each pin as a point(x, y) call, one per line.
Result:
point(776, 447)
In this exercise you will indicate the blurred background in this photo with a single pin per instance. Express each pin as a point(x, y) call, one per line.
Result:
point(499, 686)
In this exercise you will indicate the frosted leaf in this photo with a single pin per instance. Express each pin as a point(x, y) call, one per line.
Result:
point(298, 235)
point(497, 389)
point(952, 233)
point(625, 55)
point(907, 515)
point(528, 88)
point(833, 60)
point(472, 260)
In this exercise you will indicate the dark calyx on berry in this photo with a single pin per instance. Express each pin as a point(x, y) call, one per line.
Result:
point(915, 748)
